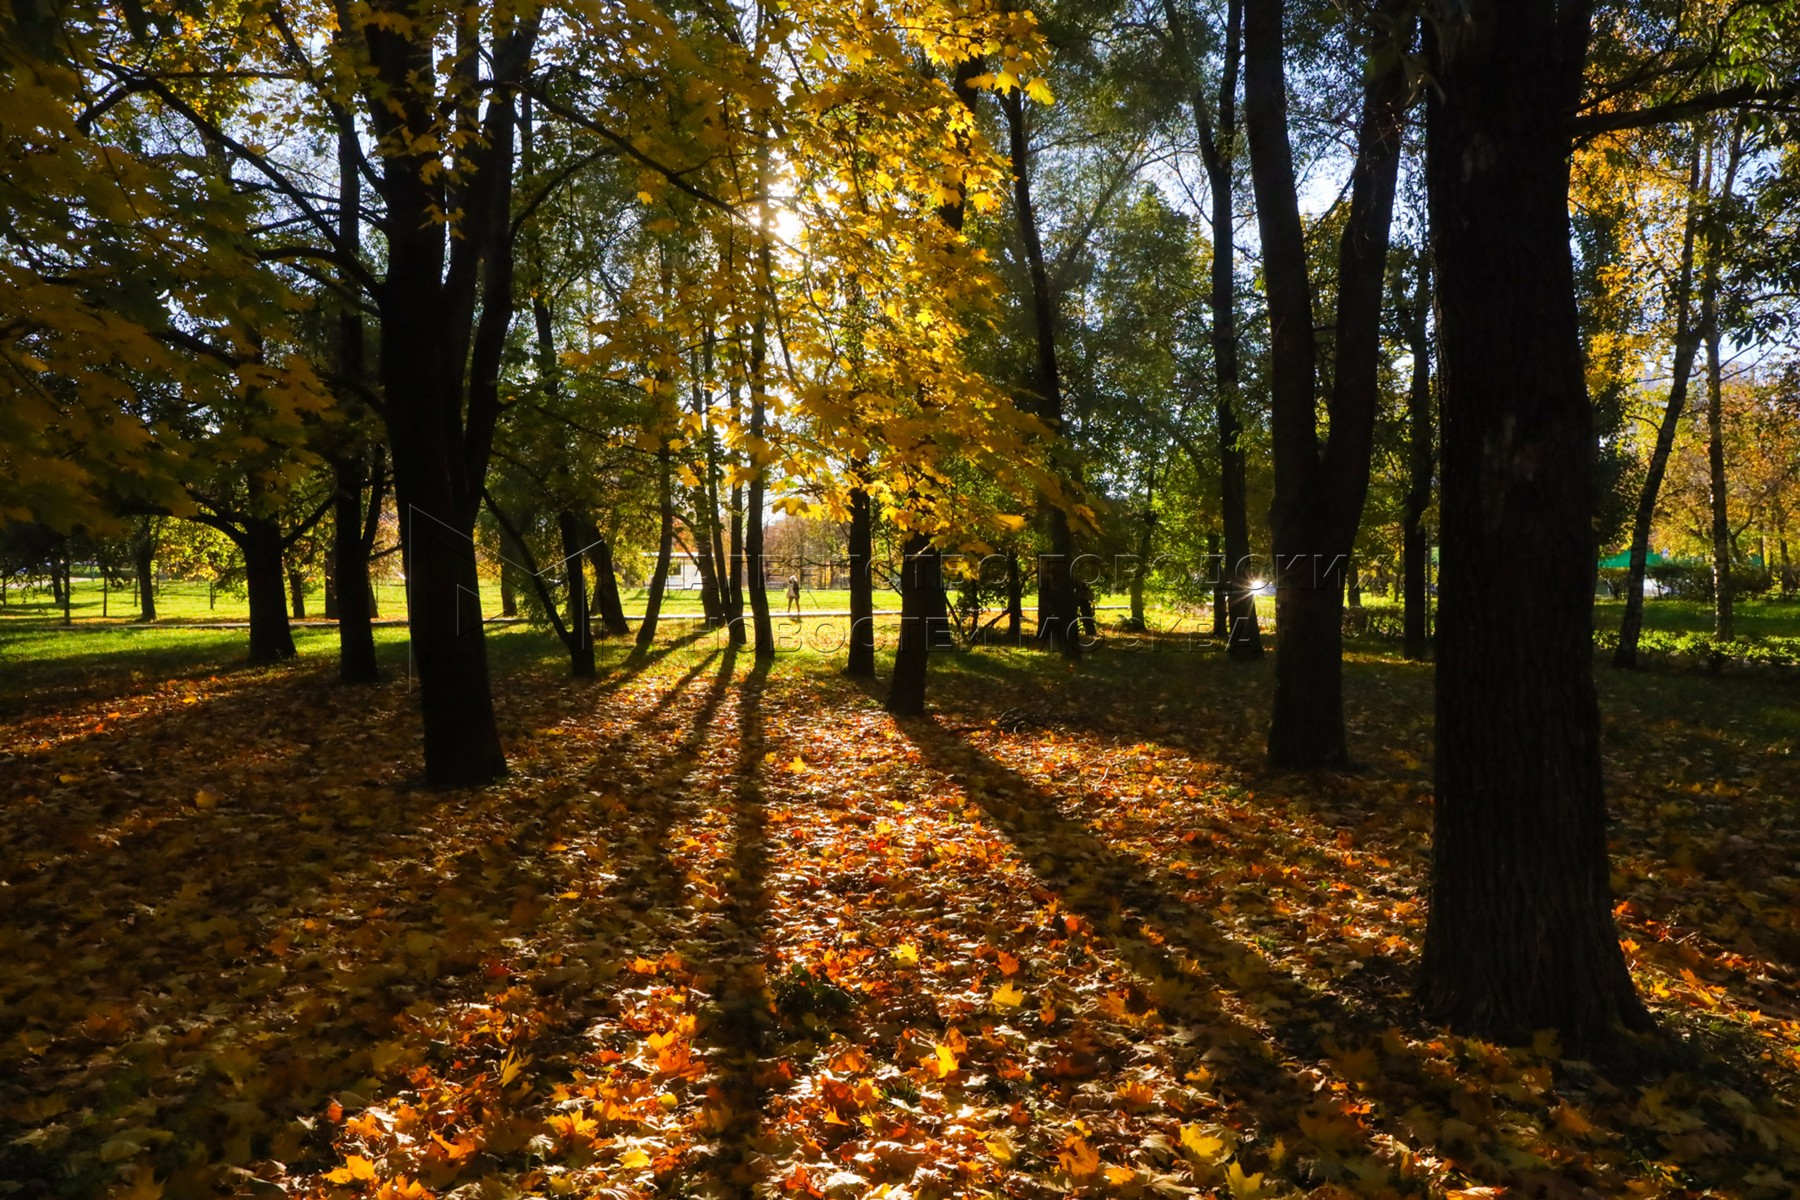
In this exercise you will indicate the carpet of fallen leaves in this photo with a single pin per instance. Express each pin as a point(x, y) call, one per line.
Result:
point(727, 932)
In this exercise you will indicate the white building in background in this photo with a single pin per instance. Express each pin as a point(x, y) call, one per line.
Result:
point(684, 570)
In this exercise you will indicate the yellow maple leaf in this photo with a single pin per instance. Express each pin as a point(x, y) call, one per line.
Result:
point(906, 954)
point(1008, 995)
point(355, 1167)
point(1201, 1145)
point(1120, 1176)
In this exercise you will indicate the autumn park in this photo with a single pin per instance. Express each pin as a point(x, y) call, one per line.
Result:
point(907, 599)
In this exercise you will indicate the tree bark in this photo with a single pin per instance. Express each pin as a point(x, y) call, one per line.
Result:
point(1015, 600)
point(1520, 935)
point(710, 607)
point(1415, 541)
point(1631, 622)
point(350, 576)
point(297, 594)
point(1319, 493)
point(580, 641)
point(270, 638)
point(665, 546)
point(1215, 123)
point(861, 658)
point(739, 635)
point(445, 307)
point(1058, 615)
point(143, 553)
point(606, 583)
point(921, 590)
point(1715, 413)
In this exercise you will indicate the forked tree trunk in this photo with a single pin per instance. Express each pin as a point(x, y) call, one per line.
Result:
point(1687, 341)
point(1215, 122)
point(270, 638)
point(861, 657)
point(1520, 935)
point(1319, 490)
point(1058, 611)
point(445, 306)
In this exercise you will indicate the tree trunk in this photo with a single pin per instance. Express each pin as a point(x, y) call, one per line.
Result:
point(143, 552)
point(861, 660)
point(445, 305)
point(753, 534)
point(709, 580)
point(509, 590)
point(1520, 934)
point(1058, 612)
point(1319, 493)
point(739, 636)
point(1015, 600)
point(270, 638)
point(1415, 542)
point(606, 584)
point(580, 641)
point(1715, 460)
point(1215, 122)
point(1140, 570)
point(350, 575)
point(665, 547)
point(1631, 622)
point(921, 592)
point(297, 594)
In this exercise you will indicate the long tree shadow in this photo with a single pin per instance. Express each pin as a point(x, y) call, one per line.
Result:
point(737, 1035)
point(1266, 1026)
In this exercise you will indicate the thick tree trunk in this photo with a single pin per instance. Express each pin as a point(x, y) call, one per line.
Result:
point(1415, 542)
point(445, 306)
point(580, 640)
point(606, 584)
point(143, 552)
point(921, 596)
point(509, 590)
point(1319, 492)
point(1058, 611)
point(270, 638)
point(665, 547)
point(1687, 341)
point(297, 594)
point(861, 660)
point(1520, 934)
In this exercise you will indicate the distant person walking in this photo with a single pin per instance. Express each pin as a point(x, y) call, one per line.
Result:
point(793, 595)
